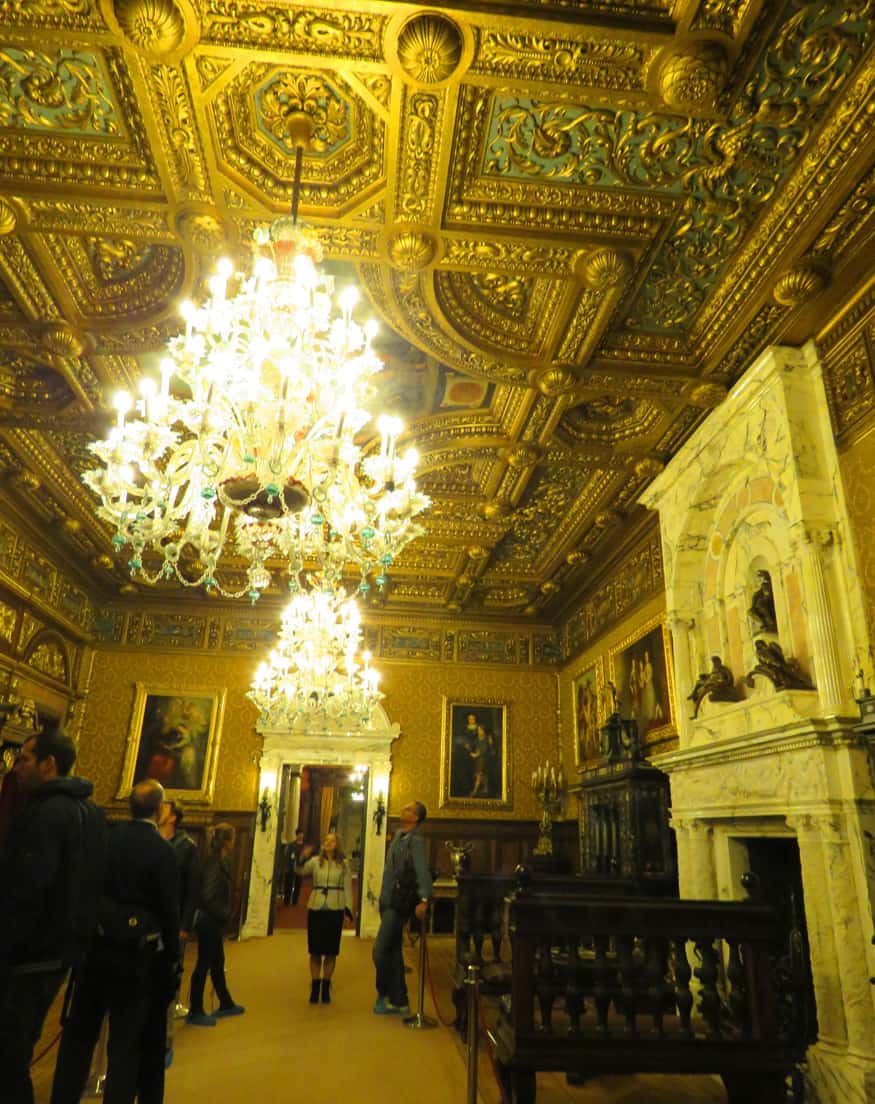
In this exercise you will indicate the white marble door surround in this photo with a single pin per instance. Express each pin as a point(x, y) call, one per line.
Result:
point(370, 747)
point(758, 487)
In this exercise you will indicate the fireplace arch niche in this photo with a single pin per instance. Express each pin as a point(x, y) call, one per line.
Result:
point(758, 488)
point(368, 746)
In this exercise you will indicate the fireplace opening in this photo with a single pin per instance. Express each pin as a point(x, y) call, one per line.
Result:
point(777, 870)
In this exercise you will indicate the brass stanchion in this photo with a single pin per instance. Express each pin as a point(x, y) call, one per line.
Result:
point(97, 1071)
point(419, 1019)
point(472, 981)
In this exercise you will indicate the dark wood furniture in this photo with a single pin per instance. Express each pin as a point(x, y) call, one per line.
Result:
point(623, 809)
point(606, 986)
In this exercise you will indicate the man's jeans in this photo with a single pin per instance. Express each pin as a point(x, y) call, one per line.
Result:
point(24, 1002)
point(389, 959)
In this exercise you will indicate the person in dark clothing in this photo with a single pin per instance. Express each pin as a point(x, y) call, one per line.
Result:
point(292, 878)
point(407, 846)
point(185, 853)
point(214, 908)
point(130, 971)
point(50, 875)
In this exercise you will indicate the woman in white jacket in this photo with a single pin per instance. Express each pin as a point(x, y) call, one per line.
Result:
point(330, 900)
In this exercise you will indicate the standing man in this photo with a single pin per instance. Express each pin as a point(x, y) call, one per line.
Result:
point(50, 876)
point(185, 853)
point(130, 972)
point(291, 876)
point(405, 876)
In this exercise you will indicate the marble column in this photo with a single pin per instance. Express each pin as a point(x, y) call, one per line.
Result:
point(697, 870)
point(827, 677)
point(263, 851)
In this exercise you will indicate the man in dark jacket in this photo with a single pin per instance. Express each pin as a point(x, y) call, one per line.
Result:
point(407, 849)
point(185, 853)
point(130, 972)
point(50, 875)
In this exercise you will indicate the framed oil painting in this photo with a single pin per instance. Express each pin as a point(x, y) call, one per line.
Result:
point(641, 671)
point(475, 755)
point(174, 738)
point(588, 714)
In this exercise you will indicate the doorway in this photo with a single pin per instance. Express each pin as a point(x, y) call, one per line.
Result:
point(317, 799)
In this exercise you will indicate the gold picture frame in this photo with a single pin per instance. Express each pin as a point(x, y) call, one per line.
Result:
point(174, 737)
point(587, 691)
point(640, 668)
point(475, 755)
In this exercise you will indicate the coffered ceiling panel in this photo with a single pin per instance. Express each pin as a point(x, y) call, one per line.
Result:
point(577, 220)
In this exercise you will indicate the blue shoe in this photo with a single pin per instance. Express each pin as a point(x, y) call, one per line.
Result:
point(398, 1009)
point(231, 1010)
point(380, 1008)
point(200, 1019)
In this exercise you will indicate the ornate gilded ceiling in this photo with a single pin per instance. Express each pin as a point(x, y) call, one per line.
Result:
point(579, 221)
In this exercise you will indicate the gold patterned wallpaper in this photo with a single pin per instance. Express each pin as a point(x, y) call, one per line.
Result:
point(857, 465)
point(414, 695)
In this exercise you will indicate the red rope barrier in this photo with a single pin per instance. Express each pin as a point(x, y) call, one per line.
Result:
point(491, 1052)
point(443, 1022)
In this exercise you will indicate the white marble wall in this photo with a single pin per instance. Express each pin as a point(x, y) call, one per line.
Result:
point(370, 748)
point(758, 487)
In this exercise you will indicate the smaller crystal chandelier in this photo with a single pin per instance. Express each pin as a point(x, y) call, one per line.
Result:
point(313, 677)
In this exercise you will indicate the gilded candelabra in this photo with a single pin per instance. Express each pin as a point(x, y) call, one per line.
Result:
point(548, 786)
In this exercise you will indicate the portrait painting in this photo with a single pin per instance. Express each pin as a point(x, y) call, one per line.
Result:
point(640, 669)
point(174, 738)
point(587, 696)
point(475, 755)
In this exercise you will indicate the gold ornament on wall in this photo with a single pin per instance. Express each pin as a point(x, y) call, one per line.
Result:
point(430, 48)
point(154, 26)
point(799, 285)
point(692, 78)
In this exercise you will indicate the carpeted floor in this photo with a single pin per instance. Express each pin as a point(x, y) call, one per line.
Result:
point(286, 1050)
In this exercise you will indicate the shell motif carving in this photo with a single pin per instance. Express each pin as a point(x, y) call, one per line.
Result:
point(7, 218)
point(154, 26)
point(799, 285)
point(692, 79)
point(429, 48)
point(201, 229)
point(62, 341)
point(606, 269)
point(411, 250)
point(555, 381)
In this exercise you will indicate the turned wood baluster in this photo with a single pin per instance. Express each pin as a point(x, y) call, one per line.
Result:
point(600, 982)
point(657, 956)
point(682, 975)
point(709, 998)
point(627, 982)
point(574, 1001)
point(544, 984)
point(735, 975)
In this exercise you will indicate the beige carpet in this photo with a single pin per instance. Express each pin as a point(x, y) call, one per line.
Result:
point(286, 1050)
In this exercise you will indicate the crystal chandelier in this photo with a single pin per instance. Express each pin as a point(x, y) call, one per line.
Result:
point(256, 454)
point(312, 676)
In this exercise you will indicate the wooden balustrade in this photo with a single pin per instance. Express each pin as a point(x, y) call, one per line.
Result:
point(602, 985)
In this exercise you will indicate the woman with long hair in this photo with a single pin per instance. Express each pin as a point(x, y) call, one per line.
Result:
point(330, 899)
point(214, 908)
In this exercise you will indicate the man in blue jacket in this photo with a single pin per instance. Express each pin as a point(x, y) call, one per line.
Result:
point(51, 870)
point(405, 865)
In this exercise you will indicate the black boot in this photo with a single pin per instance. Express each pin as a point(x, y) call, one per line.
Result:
point(314, 991)
point(326, 991)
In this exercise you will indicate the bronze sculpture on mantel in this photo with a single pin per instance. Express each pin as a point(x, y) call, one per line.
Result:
point(783, 673)
point(718, 684)
point(762, 606)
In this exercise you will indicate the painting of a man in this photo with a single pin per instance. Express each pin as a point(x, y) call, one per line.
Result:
point(476, 767)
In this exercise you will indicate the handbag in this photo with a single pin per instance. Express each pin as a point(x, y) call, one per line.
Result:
point(405, 893)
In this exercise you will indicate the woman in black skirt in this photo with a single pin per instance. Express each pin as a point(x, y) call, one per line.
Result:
point(330, 899)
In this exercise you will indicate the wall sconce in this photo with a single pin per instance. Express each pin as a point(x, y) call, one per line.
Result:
point(265, 808)
point(379, 813)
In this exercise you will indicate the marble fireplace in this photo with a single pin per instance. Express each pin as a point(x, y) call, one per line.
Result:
point(757, 493)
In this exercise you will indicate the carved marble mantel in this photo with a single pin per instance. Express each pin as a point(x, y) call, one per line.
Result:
point(758, 487)
point(371, 748)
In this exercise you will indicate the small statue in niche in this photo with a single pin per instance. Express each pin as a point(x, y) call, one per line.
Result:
point(718, 684)
point(762, 606)
point(783, 673)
